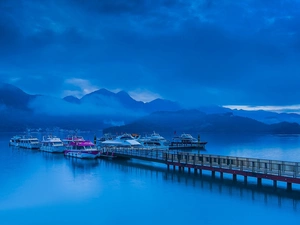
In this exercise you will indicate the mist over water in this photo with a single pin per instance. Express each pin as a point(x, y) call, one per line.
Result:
point(44, 188)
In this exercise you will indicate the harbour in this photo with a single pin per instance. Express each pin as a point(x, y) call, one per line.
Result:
point(58, 186)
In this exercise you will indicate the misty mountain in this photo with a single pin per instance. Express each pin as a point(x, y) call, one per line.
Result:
point(71, 99)
point(103, 109)
point(122, 99)
point(197, 121)
point(268, 117)
point(12, 97)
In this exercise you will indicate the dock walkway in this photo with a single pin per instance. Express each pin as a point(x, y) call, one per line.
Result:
point(274, 170)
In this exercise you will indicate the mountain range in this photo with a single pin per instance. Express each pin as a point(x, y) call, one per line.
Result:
point(196, 121)
point(95, 110)
point(103, 109)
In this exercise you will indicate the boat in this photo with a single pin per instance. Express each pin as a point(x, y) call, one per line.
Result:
point(72, 138)
point(82, 149)
point(15, 140)
point(52, 144)
point(125, 140)
point(29, 142)
point(105, 137)
point(154, 141)
point(187, 141)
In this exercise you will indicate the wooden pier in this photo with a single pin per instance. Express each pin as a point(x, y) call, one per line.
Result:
point(275, 170)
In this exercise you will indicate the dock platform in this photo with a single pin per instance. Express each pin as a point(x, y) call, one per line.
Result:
point(275, 170)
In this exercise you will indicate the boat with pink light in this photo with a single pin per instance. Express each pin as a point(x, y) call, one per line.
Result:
point(72, 138)
point(82, 149)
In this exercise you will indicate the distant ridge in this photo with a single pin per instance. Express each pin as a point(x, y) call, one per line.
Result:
point(197, 121)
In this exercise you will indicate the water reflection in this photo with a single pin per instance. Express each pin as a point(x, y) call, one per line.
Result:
point(267, 195)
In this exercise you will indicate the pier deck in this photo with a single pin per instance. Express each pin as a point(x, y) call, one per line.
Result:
point(274, 170)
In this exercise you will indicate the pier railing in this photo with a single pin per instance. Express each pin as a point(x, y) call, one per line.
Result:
point(264, 166)
point(253, 165)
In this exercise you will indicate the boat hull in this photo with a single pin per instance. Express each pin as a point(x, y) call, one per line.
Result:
point(194, 145)
point(53, 149)
point(82, 154)
point(29, 146)
point(15, 144)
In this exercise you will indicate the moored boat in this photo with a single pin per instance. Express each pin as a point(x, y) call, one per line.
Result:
point(29, 142)
point(154, 141)
point(125, 140)
point(52, 144)
point(15, 140)
point(187, 141)
point(71, 138)
point(82, 149)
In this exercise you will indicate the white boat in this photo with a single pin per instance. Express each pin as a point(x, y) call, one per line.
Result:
point(52, 144)
point(187, 141)
point(15, 140)
point(125, 140)
point(29, 142)
point(82, 149)
point(154, 141)
point(105, 137)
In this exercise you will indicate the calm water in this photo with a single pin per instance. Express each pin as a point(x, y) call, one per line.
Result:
point(44, 188)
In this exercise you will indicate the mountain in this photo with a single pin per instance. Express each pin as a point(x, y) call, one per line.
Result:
point(96, 110)
point(14, 98)
point(197, 121)
point(106, 98)
point(72, 99)
point(267, 116)
point(162, 105)
point(102, 109)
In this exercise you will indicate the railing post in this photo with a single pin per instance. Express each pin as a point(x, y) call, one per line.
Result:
point(201, 161)
point(279, 169)
point(266, 168)
point(241, 165)
point(194, 159)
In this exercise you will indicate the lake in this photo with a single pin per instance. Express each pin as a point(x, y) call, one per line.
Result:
point(45, 188)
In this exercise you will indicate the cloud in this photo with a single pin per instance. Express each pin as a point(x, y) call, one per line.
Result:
point(196, 52)
point(83, 87)
point(143, 95)
point(278, 109)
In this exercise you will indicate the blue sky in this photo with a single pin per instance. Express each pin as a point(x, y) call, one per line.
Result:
point(194, 52)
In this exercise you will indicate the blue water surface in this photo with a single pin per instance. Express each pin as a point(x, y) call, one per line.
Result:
point(44, 188)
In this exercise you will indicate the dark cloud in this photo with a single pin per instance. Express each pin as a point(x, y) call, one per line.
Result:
point(220, 51)
point(135, 7)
